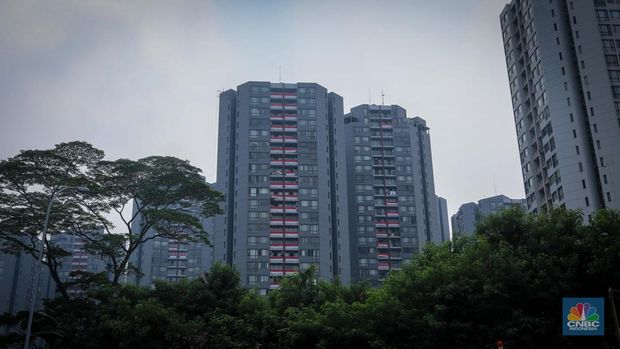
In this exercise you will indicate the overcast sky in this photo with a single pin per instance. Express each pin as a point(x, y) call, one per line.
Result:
point(141, 78)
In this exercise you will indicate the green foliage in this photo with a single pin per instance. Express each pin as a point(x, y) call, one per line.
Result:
point(168, 196)
point(505, 283)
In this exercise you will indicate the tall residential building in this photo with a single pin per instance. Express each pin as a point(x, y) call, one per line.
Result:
point(564, 74)
point(442, 211)
point(17, 272)
point(79, 259)
point(166, 259)
point(281, 166)
point(392, 201)
point(16, 276)
point(465, 219)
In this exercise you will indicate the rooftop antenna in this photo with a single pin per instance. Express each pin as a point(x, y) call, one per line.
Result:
point(382, 98)
point(280, 73)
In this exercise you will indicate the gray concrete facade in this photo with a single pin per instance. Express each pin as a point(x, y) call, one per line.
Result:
point(443, 219)
point(465, 219)
point(281, 167)
point(16, 275)
point(161, 258)
point(564, 74)
point(392, 201)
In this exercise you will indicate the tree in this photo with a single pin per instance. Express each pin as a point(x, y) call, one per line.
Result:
point(168, 196)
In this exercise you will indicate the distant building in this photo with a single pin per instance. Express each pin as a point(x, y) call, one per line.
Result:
point(16, 276)
point(442, 211)
point(564, 75)
point(469, 214)
point(17, 272)
point(161, 258)
point(78, 261)
point(465, 219)
point(281, 165)
point(392, 201)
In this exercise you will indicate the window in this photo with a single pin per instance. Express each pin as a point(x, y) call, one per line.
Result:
point(602, 15)
point(255, 240)
point(587, 202)
point(580, 167)
point(611, 60)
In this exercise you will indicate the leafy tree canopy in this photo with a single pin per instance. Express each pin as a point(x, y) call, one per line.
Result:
point(168, 196)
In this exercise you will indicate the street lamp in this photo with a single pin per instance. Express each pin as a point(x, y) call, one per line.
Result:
point(37, 271)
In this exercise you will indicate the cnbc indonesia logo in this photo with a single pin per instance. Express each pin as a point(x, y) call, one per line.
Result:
point(583, 317)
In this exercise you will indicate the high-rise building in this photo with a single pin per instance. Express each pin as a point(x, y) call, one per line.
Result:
point(465, 219)
point(79, 259)
point(442, 211)
point(17, 272)
point(16, 283)
point(564, 74)
point(281, 166)
point(392, 201)
point(162, 258)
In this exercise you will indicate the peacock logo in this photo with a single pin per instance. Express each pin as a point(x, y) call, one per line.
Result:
point(582, 312)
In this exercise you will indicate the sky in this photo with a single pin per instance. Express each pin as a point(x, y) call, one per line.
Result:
point(140, 78)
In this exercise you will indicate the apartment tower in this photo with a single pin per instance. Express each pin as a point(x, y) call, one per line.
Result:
point(392, 201)
point(564, 75)
point(281, 166)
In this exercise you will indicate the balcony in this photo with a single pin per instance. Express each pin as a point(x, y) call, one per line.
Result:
point(282, 272)
point(283, 209)
point(378, 163)
point(274, 234)
point(283, 139)
point(383, 155)
point(284, 260)
point(387, 135)
point(284, 185)
point(283, 95)
point(391, 193)
point(284, 247)
point(283, 150)
point(383, 267)
point(283, 128)
point(283, 117)
point(381, 256)
point(386, 183)
point(285, 173)
point(285, 197)
point(177, 267)
point(283, 106)
point(284, 162)
point(285, 222)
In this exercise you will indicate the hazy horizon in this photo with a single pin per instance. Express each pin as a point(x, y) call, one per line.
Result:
point(141, 78)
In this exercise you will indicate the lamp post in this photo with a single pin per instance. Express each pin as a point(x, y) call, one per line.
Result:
point(37, 271)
